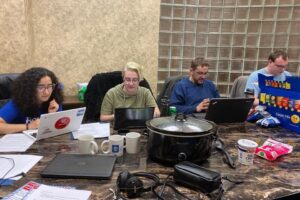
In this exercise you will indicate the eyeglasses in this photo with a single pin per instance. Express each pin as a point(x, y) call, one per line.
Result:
point(202, 74)
point(128, 80)
point(42, 88)
point(280, 66)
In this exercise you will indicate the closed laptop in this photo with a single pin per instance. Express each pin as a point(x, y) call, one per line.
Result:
point(80, 166)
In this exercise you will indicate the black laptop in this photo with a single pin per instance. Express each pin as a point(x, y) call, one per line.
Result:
point(227, 110)
point(132, 118)
point(80, 166)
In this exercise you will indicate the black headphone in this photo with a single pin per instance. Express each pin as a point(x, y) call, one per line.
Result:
point(132, 186)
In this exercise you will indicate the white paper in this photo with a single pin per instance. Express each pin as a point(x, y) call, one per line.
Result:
point(45, 192)
point(16, 165)
point(17, 142)
point(98, 130)
point(22, 192)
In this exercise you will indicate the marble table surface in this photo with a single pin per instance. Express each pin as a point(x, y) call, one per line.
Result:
point(262, 180)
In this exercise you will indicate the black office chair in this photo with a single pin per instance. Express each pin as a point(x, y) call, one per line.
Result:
point(5, 86)
point(167, 88)
point(96, 90)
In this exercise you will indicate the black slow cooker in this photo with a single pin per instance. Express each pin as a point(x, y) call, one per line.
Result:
point(175, 139)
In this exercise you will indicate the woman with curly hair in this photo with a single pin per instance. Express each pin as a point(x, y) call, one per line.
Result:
point(36, 91)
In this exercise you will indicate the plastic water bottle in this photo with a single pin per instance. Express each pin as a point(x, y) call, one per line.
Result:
point(81, 93)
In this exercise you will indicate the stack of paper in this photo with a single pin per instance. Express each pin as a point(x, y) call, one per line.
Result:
point(12, 166)
point(98, 130)
point(18, 142)
point(36, 191)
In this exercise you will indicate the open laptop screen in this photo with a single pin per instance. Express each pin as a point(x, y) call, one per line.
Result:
point(57, 123)
point(228, 110)
point(132, 118)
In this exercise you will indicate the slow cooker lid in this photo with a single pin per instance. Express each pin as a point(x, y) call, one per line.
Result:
point(188, 126)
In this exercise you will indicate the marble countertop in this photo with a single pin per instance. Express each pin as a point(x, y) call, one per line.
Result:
point(262, 180)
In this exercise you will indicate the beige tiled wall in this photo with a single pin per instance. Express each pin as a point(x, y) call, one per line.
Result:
point(78, 38)
point(13, 36)
point(235, 36)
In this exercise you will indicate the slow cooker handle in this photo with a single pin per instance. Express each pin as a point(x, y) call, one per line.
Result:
point(180, 117)
point(145, 132)
point(181, 156)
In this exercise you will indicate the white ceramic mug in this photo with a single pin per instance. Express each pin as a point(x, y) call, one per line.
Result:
point(87, 144)
point(114, 145)
point(133, 142)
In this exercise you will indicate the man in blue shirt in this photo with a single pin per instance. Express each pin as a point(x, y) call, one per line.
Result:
point(192, 93)
point(277, 64)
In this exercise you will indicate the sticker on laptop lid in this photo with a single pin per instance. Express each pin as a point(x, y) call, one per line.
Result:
point(62, 122)
point(80, 112)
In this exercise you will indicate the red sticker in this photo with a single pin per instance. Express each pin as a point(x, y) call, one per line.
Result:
point(62, 123)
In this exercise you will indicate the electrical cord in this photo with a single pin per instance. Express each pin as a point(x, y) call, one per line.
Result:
point(220, 193)
point(3, 179)
point(168, 184)
point(232, 181)
point(163, 187)
point(173, 188)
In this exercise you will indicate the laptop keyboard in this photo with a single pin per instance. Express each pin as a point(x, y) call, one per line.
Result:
point(32, 133)
point(199, 115)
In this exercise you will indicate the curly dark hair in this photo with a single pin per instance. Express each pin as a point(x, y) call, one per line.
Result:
point(24, 91)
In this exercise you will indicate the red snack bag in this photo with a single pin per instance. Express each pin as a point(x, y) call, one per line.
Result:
point(272, 149)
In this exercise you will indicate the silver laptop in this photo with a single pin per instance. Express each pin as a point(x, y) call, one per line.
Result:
point(58, 123)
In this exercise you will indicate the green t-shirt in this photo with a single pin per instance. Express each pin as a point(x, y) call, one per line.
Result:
point(116, 98)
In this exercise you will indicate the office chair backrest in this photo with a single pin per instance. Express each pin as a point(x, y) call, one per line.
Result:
point(5, 84)
point(96, 90)
point(167, 88)
point(6, 81)
point(238, 87)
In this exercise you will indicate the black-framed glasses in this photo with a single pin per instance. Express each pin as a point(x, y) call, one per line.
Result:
point(42, 88)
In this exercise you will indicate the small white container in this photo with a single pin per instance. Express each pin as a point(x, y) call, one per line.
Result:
point(246, 151)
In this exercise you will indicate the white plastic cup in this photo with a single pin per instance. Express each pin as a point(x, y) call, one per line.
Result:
point(246, 151)
point(132, 142)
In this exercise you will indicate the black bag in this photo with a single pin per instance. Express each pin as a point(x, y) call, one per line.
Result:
point(191, 175)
